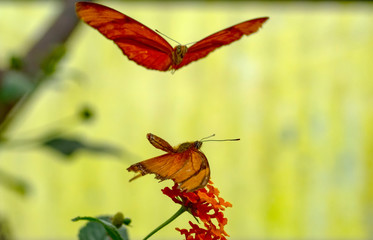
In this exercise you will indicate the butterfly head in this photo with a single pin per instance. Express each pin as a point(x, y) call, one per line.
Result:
point(188, 145)
point(178, 54)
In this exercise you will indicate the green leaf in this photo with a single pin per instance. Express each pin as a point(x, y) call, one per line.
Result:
point(64, 146)
point(99, 228)
point(15, 85)
point(68, 146)
point(92, 231)
point(14, 183)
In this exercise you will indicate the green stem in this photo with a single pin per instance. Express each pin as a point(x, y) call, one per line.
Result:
point(173, 217)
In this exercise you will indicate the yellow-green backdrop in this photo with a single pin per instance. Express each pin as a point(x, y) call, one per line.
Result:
point(298, 94)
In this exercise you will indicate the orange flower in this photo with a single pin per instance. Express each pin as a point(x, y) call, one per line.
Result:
point(205, 204)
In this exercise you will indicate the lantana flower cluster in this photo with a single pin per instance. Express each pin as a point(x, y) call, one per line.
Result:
point(206, 205)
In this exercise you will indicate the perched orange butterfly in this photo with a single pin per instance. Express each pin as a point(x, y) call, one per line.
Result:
point(184, 164)
point(147, 48)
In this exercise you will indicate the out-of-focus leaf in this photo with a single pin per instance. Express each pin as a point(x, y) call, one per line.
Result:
point(49, 65)
point(68, 146)
point(100, 228)
point(14, 86)
point(15, 63)
point(64, 146)
point(14, 183)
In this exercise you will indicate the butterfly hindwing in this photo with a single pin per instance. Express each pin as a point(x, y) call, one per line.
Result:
point(201, 172)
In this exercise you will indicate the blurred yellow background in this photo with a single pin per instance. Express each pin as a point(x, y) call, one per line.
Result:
point(299, 94)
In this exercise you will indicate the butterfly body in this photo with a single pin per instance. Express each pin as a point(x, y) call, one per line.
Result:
point(147, 48)
point(188, 145)
point(178, 54)
point(184, 164)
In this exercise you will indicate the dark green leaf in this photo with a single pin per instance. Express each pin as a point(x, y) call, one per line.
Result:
point(64, 146)
point(92, 231)
point(99, 228)
point(68, 146)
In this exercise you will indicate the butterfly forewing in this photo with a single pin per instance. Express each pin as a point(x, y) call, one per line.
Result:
point(138, 42)
point(163, 166)
point(224, 37)
point(159, 143)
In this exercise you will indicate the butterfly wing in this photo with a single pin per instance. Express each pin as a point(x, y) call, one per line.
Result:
point(190, 169)
point(224, 37)
point(138, 42)
point(201, 172)
point(159, 143)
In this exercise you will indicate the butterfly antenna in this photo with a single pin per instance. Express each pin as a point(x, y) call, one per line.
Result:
point(190, 43)
point(218, 140)
point(167, 36)
point(212, 135)
point(222, 140)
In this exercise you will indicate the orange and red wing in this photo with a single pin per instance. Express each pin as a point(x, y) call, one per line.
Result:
point(138, 42)
point(224, 37)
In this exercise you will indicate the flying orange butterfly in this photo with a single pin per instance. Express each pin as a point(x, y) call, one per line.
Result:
point(147, 48)
point(184, 164)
